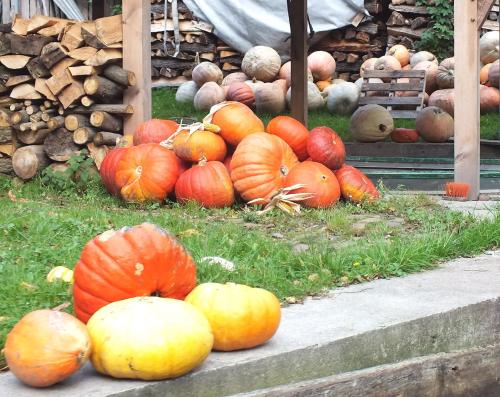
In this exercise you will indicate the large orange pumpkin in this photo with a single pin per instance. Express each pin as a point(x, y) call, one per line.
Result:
point(108, 169)
point(292, 132)
point(326, 147)
point(46, 347)
point(208, 184)
point(235, 120)
point(142, 260)
point(154, 131)
point(146, 172)
point(355, 186)
point(318, 180)
point(260, 165)
point(200, 144)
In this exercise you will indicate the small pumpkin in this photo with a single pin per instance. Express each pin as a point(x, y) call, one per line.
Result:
point(235, 77)
point(241, 92)
point(422, 56)
point(494, 74)
point(434, 124)
point(205, 72)
point(369, 64)
point(285, 73)
point(292, 132)
point(199, 145)
point(387, 63)
point(236, 121)
point(269, 98)
point(343, 98)
point(404, 135)
point(154, 131)
point(371, 123)
point(241, 317)
point(401, 53)
point(108, 169)
point(149, 338)
point(489, 47)
point(326, 147)
point(489, 98)
point(318, 180)
point(262, 63)
point(444, 99)
point(208, 95)
point(47, 346)
point(321, 64)
point(355, 185)
point(142, 260)
point(186, 92)
point(431, 71)
point(484, 75)
point(445, 77)
point(260, 165)
point(208, 184)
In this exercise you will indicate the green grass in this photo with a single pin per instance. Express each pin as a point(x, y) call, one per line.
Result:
point(165, 106)
point(41, 227)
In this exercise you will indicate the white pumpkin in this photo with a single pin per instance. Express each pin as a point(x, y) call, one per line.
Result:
point(186, 92)
point(269, 98)
point(205, 72)
point(343, 98)
point(208, 95)
point(489, 47)
point(423, 56)
point(262, 63)
point(315, 99)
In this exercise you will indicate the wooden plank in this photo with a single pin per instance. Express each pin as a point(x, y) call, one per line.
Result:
point(390, 100)
point(420, 10)
point(298, 26)
point(403, 114)
point(395, 74)
point(137, 59)
point(467, 119)
point(483, 10)
point(419, 86)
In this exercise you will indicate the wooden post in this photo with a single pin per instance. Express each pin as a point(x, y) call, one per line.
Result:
point(137, 59)
point(467, 113)
point(298, 29)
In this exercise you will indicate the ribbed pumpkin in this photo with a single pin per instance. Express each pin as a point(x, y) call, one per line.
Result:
point(321, 64)
point(387, 63)
point(404, 135)
point(108, 169)
point(401, 53)
point(241, 317)
point(208, 184)
point(431, 70)
point(236, 77)
point(154, 131)
point(422, 56)
point(205, 72)
point(489, 98)
point(371, 123)
point(445, 77)
point(208, 95)
point(356, 186)
point(326, 147)
point(200, 144)
point(292, 132)
point(142, 260)
point(262, 63)
point(46, 346)
point(369, 64)
point(318, 180)
point(269, 98)
point(146, 172)
point(149, 338)
point(489, 47)
point(241, 92)
point(235, 120)
point(260, 165)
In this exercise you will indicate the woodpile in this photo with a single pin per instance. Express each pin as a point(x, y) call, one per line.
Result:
point(406, 23)
point(492, 23)
point(61, 90)
point(196, 42)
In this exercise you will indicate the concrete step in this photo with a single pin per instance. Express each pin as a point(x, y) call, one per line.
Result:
point(454, 307)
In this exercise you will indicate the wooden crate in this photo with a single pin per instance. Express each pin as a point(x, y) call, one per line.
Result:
point(385, 94)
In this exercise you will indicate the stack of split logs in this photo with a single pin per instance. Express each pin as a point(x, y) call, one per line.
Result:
point(196, 42)
point(61, 90)
point(406, 23)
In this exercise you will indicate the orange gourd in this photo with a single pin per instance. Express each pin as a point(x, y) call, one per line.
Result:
point(47, 346)
point(318, 180)
point(292, 132)
point(154, 131)
point(260, 165)
point(146, 172)
point(355, 186)
point(208, 184)
point(200, 144)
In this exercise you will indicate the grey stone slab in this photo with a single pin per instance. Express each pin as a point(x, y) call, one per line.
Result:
point(480, 209)
point(456, 306)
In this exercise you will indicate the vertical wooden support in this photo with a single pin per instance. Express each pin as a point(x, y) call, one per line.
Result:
point(137, 58)
point(467, 114)
point(298, 28)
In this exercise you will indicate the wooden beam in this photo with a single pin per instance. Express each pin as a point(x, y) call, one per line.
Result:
point(298, 28)
point(483, 9)
point(467, 114)
point(137, 59)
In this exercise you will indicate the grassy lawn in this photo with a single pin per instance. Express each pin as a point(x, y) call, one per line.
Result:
point(165, 106)
point(41, 227)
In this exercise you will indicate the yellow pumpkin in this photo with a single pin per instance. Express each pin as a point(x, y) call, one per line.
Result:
point(149, 338)
point(241, 317)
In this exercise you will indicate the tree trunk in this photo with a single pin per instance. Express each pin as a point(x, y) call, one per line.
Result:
point(106, 138)
point(33, 137)
point(84, 135)
point(108, 108)
point(120, 76)
point(28, 160)
point(59, 145)
point(102, 88)
point(74, 121)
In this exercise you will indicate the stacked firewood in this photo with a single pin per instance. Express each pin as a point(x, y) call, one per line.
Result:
point(492, 23)
point(62, 88)
point(172, 65)
point(406, 23)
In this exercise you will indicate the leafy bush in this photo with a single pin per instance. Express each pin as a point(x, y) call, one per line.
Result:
point(438, 38)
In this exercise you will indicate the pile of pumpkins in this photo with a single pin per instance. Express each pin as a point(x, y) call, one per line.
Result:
point(139, 314)
point(233, 155)
point(265, 84)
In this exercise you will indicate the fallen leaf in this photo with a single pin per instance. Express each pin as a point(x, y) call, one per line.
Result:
point(12, 196)
point(189, 233)
point(28, 286)
point(291, 299)
point(217, 260)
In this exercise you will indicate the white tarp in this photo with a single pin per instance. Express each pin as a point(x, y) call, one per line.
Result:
point(243, 24)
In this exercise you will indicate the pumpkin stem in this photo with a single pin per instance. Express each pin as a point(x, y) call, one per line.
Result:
point(283, 170)
point(203, 160)
point(285, 200)
point(61, 307)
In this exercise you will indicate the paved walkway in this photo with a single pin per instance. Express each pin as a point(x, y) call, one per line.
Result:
point(480, 209)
